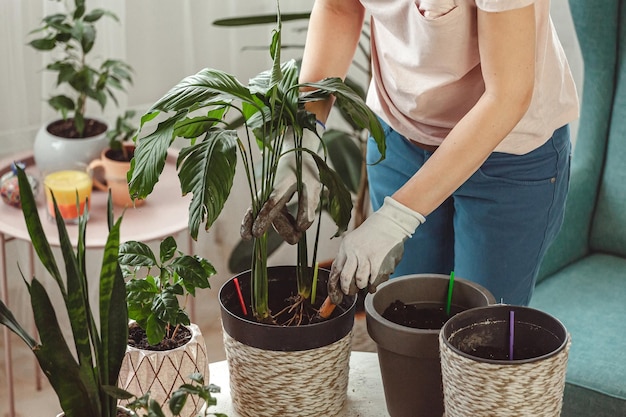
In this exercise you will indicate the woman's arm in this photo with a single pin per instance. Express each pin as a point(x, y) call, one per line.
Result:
point(332, 37)
point(507, 52)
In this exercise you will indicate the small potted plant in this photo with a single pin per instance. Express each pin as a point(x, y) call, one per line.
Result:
point(273, 107)
point(163, 345)
point(83, 376)
point(114, 161)
point(76, 137)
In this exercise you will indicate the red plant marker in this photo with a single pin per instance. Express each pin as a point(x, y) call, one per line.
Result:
point(240, 295)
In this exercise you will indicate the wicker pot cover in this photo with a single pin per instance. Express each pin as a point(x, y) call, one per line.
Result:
point(162, 372)
point(531, 384)
point(279, 371)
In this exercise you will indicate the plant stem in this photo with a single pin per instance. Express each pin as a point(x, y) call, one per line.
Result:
point(259, 284)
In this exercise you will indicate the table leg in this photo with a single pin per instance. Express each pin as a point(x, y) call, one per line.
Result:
point(8, 362)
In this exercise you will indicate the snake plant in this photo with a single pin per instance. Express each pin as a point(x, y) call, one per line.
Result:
point(85, 382)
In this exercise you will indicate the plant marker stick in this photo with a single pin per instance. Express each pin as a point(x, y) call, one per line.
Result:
point(511, 333)
point(240, 295)
point(450, 287)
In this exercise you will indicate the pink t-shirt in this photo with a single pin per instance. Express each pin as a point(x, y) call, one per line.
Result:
point(427, 73)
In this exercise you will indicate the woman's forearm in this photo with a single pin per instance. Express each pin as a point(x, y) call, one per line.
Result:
point(332, 37)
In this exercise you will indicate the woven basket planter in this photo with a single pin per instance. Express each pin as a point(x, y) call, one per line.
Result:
point(162, 372)
point(409, 357)
point(286, 370)
point(490, 384)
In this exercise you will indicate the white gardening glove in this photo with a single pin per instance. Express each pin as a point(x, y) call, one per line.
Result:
point(274, 211)
point(370, 253)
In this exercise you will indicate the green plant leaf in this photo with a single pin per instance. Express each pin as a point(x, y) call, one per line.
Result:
point(345, 156)
point(134, 253)
point(192, 272)
point(150, 156)
point(207, 170)
point(7, 318)
point(43, 44)
point(167, 249)
point(340, 200)
point(155, 329)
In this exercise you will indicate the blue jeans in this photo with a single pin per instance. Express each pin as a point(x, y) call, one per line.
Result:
point(496, 228)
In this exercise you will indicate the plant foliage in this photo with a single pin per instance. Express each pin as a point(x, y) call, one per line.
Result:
point(272, 106)
point(73, 35)
point(153, 301)
point(84, 383)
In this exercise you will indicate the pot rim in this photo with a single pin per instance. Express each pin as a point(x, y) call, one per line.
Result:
point(193, 328)
point(373, 312)
point(445, 338)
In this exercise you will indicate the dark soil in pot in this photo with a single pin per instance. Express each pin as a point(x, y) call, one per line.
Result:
point(137, 338)
point(119, 155)
point(66, 129)
point(282, 289)
point(429, 316)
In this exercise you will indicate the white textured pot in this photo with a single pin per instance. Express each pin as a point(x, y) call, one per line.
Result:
point(162, 372)
point(54, 153)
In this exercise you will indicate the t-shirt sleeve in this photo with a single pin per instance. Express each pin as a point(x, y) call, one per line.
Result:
point(502, 5)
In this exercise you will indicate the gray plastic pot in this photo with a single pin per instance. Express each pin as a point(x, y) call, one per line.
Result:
point(409, 357)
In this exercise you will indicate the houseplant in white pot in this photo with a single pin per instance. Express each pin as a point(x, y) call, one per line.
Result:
point(83, 376)
point(272, 104)
point(70, 36)
point(164, 347)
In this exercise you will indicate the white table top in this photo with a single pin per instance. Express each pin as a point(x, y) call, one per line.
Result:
point(366, 397)
point(164, 213)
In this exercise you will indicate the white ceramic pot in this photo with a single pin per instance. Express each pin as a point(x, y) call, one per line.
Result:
point(54, 153)
point(162, 372)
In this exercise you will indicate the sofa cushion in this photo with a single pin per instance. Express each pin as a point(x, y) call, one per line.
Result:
point(589, 297)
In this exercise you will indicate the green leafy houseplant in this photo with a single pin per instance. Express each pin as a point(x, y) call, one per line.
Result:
point(144, 406)
point(153, 300)
point(73, 35)
point(346, 145)
point(121, 147)
point(84, 384)
point(270, 103)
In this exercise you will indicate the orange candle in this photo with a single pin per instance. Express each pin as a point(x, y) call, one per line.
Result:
point(66, 185)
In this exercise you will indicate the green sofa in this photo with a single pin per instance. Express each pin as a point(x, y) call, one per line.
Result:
point(583, 277)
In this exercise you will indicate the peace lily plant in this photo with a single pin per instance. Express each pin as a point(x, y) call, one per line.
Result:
point(272, 105)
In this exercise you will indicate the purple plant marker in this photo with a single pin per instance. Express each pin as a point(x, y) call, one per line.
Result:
point(511, 333)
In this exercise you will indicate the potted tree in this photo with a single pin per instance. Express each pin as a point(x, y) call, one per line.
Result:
point(163, 345)
point(85, 383)
point(272, 105)
point(75, 136)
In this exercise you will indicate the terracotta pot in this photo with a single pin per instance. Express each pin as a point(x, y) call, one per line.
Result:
point(409, 357)
point(114, 176)
point(480, 379)
point(162, 372)
point(54, 153)
point(286, 370)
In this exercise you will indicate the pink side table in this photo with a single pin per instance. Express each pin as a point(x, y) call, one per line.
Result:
point(164, 213)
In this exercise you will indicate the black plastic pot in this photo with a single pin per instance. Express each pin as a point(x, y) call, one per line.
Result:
point(478, 374)
point(409, 357)
point(273, 369)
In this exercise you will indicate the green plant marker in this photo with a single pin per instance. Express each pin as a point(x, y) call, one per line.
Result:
point(314, 289)
point(450, 287)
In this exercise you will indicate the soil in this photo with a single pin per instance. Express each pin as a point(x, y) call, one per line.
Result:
point(137, 338)
point(65, 129)
point(118, 155)
point(426, 316)
point(502, 353)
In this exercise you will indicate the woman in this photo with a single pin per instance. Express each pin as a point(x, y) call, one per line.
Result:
point(475, 97)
